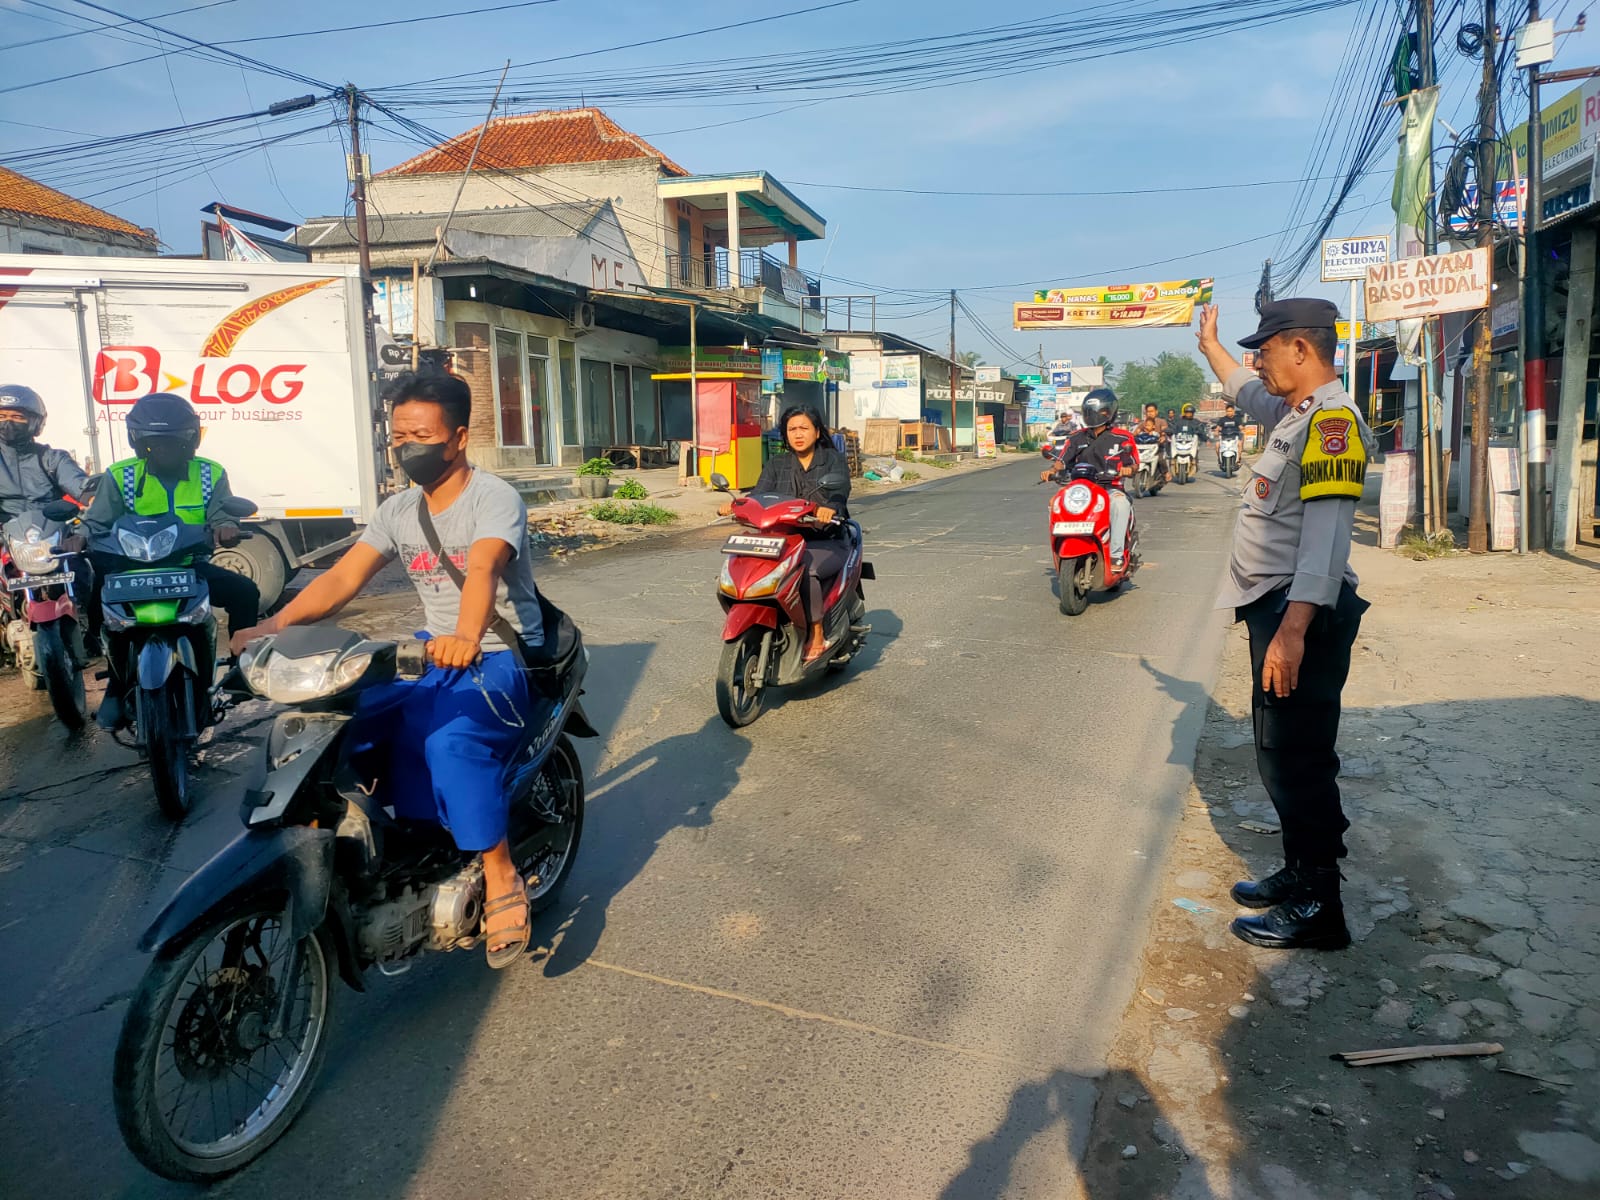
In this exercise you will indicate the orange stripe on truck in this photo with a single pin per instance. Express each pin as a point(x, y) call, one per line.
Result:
point(221, 341)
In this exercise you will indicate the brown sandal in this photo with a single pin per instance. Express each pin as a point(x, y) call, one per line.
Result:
point(513, 949)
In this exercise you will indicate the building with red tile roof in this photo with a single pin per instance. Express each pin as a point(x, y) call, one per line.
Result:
point(543, 139)
point(36, 219)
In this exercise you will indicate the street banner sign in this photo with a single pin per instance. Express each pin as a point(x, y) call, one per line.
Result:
point(1343, 329)
point(1429, 285)
point(1121, 306)
point(986, 444)
point(1349, 258)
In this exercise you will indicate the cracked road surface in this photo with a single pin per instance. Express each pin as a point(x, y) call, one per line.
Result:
point(876, 945)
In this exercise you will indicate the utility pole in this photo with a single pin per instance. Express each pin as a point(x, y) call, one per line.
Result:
point(1533, 347)
point(955, 377)
point(1430, 244)
point(358, 192)
point(1487, 166)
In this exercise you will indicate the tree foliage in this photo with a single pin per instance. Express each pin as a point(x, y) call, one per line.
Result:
point(1169, 381)
point(970, 358)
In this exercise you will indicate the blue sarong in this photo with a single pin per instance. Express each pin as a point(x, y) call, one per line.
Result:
point(439, 749)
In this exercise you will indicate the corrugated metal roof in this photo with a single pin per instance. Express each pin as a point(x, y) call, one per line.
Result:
point(30, 198)
point(408, 229)
point(541, 139)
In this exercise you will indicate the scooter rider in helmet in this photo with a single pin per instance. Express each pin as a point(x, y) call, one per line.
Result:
point(32, 473)
point(166, 476)
point(1189, 423)
point(1112, 454)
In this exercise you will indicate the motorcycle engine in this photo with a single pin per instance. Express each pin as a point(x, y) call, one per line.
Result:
point(441, 916)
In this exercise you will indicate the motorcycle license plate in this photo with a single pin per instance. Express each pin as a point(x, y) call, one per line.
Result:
point(759, 547)
point(1063, 527)
point(33, 581)
point(151, 585)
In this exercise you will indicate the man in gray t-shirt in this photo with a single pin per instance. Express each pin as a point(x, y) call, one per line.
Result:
point(444, 740)
point(489, 507)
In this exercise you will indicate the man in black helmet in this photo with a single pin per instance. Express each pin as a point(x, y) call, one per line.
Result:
point(166, 476)
point(32, 473)
point(1112, 454)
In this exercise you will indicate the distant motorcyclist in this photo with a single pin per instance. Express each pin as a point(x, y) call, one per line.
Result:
point(1111, 453)
point(1189, 423)
point(1164, 429)
point(166, 476)
point(32, 473)
point(1228, 427)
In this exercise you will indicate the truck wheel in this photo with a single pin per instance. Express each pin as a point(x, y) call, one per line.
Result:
point(258, 559)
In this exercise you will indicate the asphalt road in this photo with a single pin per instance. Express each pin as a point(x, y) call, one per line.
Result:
point(873, 946)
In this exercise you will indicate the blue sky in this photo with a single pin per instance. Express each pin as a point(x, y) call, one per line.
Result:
point(1235, 109)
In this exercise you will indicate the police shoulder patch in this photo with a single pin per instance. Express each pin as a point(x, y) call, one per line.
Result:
point(1334, 461)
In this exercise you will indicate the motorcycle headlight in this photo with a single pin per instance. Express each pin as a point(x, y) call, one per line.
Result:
point(769, 582)
point(152, 549)
point(725, 582)
point(34, 552)
point(296, 680)
point(1077, 498)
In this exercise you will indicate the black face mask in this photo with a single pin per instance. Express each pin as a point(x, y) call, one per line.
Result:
point(424, 462)
point(15, 433)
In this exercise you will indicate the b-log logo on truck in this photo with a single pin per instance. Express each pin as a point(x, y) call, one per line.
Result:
point(124, 374)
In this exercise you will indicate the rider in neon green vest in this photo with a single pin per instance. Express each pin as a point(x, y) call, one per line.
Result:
point(166, 476)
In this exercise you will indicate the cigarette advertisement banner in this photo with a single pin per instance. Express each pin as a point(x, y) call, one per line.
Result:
point(1122, 306)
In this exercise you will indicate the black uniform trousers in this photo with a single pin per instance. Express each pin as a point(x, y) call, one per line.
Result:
point(1296, 734)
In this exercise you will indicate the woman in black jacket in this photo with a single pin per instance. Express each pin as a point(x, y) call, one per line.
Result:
point(812, 470)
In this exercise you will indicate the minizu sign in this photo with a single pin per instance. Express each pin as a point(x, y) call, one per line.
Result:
point(1427, 286)
point(1349, 258)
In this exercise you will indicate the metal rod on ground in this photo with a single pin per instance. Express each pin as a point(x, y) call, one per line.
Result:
point(1488, 105)
point(1533, 360)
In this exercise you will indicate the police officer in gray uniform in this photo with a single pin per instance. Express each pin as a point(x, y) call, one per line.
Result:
point(1289, 580)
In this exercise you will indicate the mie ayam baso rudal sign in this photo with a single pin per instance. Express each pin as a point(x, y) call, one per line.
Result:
point(1429, 285)
point(1121, 306)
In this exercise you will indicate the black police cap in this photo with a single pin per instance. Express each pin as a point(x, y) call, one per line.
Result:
point(1279, 315)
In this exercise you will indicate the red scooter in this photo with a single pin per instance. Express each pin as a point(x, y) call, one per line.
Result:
point(1080, 541)
point(764, 636)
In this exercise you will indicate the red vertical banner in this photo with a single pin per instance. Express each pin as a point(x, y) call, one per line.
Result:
point(714, 408)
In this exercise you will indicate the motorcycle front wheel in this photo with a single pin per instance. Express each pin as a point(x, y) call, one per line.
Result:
point(739, 693)
point(1072, 583)
point(63, 678)
point(200, 1085)
point(166, 745)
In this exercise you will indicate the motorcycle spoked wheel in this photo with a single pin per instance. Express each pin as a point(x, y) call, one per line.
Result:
point(166, 746)
point(62, 675)
point(740, 695)
point(546, 825)
point(1074, 581)
point(195, 1045)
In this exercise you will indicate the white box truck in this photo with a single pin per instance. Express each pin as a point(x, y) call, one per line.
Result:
point(271, 355)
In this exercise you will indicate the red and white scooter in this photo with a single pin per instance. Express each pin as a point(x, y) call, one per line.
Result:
point(1080, 541)
point(764, 635)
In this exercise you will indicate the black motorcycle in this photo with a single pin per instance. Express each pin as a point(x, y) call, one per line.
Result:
point(41, 626)
point(226, 1033)
point(162, 634)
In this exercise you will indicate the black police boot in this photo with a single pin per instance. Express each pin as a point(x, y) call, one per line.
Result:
point(1311, 920)
point(1283, 884)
